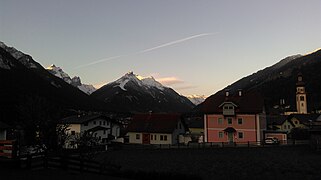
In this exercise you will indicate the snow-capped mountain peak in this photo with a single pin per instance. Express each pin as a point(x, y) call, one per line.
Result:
point(75, 81)
point(25, 59)
point(147, 82)
point(196, 99)
point(57, 71)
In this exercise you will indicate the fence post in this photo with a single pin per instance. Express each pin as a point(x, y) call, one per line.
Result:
point(248, 143)
point(28, 165)
point(222, 144)
point(45, 160)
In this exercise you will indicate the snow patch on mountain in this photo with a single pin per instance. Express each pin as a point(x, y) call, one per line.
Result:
point(147, 82)
point(25, 59)
point(75, 81)
point(196, 99)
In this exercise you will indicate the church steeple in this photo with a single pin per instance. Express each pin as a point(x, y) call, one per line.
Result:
point(301, 96)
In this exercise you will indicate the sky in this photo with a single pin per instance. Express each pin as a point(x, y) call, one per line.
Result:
point(195, 47)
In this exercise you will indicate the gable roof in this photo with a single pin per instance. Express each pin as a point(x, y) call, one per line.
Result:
point(276, 119)
point(154, 123)
point(81, 119)
point(304, 118)
point(249, 102)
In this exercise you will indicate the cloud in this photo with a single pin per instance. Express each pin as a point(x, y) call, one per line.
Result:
point(169, 80)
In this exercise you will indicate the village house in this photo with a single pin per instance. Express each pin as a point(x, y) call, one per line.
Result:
point(196, 129)
point(155, 129)
point(298, 121)
point(238, 117)
point(3, 130)
point(97, 126)
point(274, 127)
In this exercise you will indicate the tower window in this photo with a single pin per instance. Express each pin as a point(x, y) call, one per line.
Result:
point(301, 98)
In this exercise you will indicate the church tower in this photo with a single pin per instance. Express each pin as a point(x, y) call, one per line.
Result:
point(301, 96)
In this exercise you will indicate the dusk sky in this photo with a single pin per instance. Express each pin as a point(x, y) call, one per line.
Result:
point(193, 46)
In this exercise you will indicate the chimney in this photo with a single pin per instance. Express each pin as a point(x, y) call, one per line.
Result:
point(227, 93)
point(240, 92)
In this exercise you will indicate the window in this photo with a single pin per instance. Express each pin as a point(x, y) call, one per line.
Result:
point(284, 126)
point(100, 123)
point(289, 127)
point(104, 131)
point(301, 98)
point(107, 123)
point(220, 121)
point(137, 136)
point(73, 132)
point(228, 109)
point(220, 134)
point(155, 137)
point(94, 122)
point(240, 134)
point(151, 137)
point(104, 123)
point(229, 120)
point(239, 121)
point(295, 122)
point(161, 137)
point(180, 126)
point(165, 137)
point(86, 124)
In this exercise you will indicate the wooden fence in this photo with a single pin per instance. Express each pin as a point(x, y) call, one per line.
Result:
point(7, 148)
point(195, 145)
point(42, 161)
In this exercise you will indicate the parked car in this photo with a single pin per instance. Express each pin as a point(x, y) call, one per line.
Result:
point(271, 140)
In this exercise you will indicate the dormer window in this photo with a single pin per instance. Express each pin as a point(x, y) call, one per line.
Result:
point(228, 108)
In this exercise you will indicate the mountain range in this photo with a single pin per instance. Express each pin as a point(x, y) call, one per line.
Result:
point(75, 81)
point(26, 84)
point(138, 94)
point(279, 82)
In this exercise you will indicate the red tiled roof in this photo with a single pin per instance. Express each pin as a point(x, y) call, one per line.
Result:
point(154, 123)
point(248, 102)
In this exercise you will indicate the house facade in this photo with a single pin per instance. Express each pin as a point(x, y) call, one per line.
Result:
point(3, 130)
point(298, 121)
point(97, 126)
point(155, 129)
point(238, 117)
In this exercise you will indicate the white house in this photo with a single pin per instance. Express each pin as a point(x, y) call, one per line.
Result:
point(155, 129)
point(99, 126)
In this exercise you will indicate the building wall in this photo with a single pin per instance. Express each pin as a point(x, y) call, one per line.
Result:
point(133, 139)
point(248, 127)
point(158, 140)
point(74, 127)
point(155, 138)
point(180, 130)
point(3, 134)
point(286, 126)
point(96, 122)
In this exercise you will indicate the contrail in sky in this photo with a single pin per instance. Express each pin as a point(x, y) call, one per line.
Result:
point(174, 42)
point(100, 61)
point(147, 50)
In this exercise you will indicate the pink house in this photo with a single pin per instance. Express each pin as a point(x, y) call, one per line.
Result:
point(238, 117)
